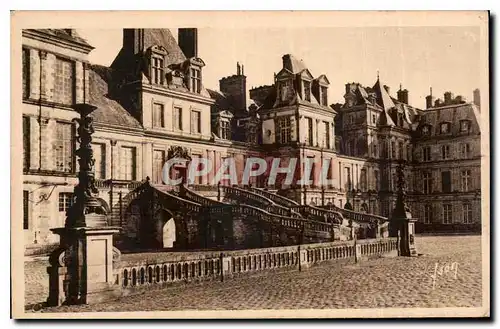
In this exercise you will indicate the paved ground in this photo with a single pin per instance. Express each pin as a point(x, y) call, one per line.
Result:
point(385, 282)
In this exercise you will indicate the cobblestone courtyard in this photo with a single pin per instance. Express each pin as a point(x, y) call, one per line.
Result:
point(384, 282)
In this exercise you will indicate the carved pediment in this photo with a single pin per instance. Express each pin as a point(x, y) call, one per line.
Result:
point(196, 61)
point(306, 74)
point(323, 80)
point(284, 74)
point(159, 49)
point(178, 152)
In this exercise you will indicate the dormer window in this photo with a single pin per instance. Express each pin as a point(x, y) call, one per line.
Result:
point(157, 61)
point(157, 67)
point(426, 130)
point(225, 130)
point(445, 128)
point(195, 77)
point(324, 95)
point(464, 126)
point(285, 89)
point(307, 91)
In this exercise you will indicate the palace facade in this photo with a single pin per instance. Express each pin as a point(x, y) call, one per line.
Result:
point(153, 97)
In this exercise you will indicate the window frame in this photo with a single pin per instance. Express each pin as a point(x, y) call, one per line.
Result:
point(157, 69)
point(310, 132)
point(195, 79)
point(465, 180)
point(467, 213)
point(59, 77)
point(447, 213)
point(26, 73)
point(284, 131)
point(161, 107)
point(427, 214)
point(448, 188)
point(60, 143)
point(427, 182)
point(177, 124)
point(326, 134)
point(65, 201)
point(124, 164)
point(426, 153)
point(196, 124)
point(324, 95)
point(468, 122)
point(448, 129)
point(158, 171)
point(445, 152)
point(307, 90)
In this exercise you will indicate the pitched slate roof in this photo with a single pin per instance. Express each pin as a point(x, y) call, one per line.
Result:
point(161, 37)
point(108, 111)
point(164, 38)
point(293, 65)
point(65, 34)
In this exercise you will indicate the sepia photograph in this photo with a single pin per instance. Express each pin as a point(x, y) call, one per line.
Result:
point(250, 164)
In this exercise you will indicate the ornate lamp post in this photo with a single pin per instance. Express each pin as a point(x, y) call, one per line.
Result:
point(402, 221)
point(81, 270)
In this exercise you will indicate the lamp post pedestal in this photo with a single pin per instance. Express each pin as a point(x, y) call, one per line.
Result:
point(81, 270)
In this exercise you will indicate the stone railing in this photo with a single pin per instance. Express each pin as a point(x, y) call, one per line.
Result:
point(325, 214)
point(106, 183)
point(203, 188)
point(309, 226)
point(260, 200)
point(278, 199)
point(174, 201)
point(204, 201)
point(156, 270)
point(359, 217)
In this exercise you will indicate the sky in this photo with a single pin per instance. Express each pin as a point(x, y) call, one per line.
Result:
point(444, 58)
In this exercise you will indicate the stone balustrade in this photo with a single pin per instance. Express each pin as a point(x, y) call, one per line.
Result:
point(278, 199)
point(176, 202)
point(204, 201)
point(266, 203)
point(359, 217)
point(156, 270)
point(326, 214)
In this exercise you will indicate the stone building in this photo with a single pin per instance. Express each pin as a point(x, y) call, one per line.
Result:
point(153, 98)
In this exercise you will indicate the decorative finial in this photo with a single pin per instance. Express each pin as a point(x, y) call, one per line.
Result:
point(400, 86)
point(378, 75)
point(430, 91)
point(238, 68)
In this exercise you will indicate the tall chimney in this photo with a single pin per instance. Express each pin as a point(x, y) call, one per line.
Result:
point(403, 95)
point(448, 97)
point(477, 98)
point(188, 42)
point(429, 100)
